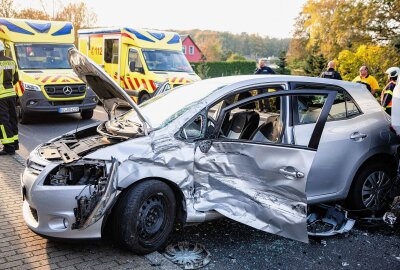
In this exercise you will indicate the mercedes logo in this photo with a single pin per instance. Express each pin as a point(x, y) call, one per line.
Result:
point(67, 90)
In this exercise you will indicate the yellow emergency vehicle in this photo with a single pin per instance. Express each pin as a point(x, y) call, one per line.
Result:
point(139, 60)
point(47, 82)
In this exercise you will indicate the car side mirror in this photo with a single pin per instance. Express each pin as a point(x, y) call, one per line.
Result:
point(132, 65)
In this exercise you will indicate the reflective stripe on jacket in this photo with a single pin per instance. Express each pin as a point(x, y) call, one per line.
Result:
point(8, 77)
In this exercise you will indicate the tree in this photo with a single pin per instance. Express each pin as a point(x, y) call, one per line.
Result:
point(202, 69)
point(282, 63)
point(235, 57)
point(79, 14)
point(382, 18)
point(377, 58)
point(7, 8)
point(34, 14)
point(332, 25)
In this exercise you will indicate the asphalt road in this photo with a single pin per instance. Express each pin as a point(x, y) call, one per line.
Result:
point(47, 126)
point(236, 246)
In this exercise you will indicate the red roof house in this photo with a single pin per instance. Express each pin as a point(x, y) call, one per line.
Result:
point(190, 49)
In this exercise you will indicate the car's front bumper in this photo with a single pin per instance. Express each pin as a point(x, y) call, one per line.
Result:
point(33, 102)
point(49, 210)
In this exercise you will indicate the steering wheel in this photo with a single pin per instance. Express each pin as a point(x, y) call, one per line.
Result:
point(221, 133)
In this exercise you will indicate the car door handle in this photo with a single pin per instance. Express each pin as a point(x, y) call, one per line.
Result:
point(358, 136)
point(291, 173)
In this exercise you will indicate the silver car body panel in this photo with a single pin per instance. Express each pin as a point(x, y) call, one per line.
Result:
point(228, 179)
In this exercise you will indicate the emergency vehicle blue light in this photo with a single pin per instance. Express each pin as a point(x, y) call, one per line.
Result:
point(158, 36)
point(14, 28)
point(65, 30)
point(40, 27)
point(174, 39)
point(138, 35)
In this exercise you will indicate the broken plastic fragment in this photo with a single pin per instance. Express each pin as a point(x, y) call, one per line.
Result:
point(333, 220)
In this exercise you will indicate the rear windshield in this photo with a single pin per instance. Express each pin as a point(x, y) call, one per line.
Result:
point(42, 56)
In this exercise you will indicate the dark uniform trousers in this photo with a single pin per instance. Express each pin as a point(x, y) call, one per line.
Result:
point(8, 123)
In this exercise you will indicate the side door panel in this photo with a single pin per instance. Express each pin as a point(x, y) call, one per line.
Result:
point(259, 184)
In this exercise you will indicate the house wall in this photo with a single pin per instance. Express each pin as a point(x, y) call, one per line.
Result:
point(196, 56)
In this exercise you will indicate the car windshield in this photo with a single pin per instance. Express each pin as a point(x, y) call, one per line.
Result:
point(163, 60)
point(42, 56)
point(159, 111)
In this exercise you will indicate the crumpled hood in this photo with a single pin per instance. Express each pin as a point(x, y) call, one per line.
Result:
point(107, 90)
point(48, 77)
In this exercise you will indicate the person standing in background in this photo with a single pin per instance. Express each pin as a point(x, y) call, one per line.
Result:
point(331, 73)
point(387, 92)
point(263, 105)
point(367, 79)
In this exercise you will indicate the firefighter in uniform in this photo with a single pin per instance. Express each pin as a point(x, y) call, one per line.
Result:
point(387, 93)
point(331, 73)
point(8, 115)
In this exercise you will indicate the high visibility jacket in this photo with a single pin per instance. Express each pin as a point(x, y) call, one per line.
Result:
point(369, 81)
point(8, 77)
point(387, 94)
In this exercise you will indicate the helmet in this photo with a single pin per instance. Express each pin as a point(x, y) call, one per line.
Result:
point(1, 46)
point(393, 72)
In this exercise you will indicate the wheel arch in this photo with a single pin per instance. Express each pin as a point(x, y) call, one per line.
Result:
point(142, 93)
point(379, 157)
point(179, 197)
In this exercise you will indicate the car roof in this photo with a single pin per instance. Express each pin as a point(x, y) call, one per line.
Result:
point(243, 80)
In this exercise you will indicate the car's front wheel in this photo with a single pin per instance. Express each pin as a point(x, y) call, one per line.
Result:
point(145, 216)
point(371, 187)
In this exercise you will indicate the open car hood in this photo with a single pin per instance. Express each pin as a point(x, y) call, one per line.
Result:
point(106, 89)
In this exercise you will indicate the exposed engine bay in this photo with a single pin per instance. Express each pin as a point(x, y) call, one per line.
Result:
point(72, 147)
point(93, 177)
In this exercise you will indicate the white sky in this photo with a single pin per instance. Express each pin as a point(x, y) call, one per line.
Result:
point(274, 18)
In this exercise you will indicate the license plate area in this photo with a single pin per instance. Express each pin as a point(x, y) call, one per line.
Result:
point(68, 109)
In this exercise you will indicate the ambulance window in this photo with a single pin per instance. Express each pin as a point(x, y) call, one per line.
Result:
point(111, 47)
point(134, 61)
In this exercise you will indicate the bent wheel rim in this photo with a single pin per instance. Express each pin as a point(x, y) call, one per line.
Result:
point(374, 189)
point(152, 218)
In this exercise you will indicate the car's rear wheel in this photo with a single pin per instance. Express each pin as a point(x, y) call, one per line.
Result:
point(87, 114)
point(370, 188)
point(145, 216)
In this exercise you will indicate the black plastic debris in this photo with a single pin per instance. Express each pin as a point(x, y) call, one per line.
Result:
point(392, 216)
point(328, 221)
point(188, 255)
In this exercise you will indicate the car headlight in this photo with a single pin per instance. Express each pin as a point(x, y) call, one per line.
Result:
point(31, 87)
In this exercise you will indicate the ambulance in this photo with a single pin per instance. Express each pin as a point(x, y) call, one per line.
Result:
point(47, 82)
point(139, 60)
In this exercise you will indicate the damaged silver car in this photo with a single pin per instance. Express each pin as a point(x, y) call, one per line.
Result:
point(202, 151)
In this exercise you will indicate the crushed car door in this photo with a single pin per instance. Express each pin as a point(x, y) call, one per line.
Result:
point(259, 180)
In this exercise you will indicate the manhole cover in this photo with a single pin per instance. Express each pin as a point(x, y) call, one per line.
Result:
point(187, 255)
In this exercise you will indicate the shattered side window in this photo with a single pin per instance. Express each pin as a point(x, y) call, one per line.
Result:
point(308, 108)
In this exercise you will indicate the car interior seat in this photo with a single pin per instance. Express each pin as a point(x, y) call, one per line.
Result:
point(242, 124)
point(270, 131)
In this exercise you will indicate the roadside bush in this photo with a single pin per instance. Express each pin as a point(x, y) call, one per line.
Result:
point(218, 69)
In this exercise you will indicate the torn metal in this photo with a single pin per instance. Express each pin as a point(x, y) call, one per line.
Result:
point(328, 221)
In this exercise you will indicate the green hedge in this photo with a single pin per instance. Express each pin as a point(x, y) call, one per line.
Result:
point(218, 69)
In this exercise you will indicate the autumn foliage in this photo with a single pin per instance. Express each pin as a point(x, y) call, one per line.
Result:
point(78, 13)
point(354, 32)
